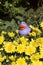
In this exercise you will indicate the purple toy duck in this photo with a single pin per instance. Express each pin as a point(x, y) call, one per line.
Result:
point(24, 29)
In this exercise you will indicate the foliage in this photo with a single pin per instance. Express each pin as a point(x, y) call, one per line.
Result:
point(12, 13)
point(16, 49)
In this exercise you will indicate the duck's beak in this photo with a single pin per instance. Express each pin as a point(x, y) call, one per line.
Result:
point(22, 27)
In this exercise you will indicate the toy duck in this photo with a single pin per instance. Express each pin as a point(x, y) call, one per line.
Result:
point(24, 29)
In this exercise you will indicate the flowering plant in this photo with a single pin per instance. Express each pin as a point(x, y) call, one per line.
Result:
point(22, 50)
point(17, 48)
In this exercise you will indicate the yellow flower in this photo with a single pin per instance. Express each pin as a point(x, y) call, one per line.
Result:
point(32, 27)
point(37, 63)
point(3, 32)
point(15, 43)
point(2, 58)
point(28, 64)
point(21, 61)
point(12, 58)
point(11, 34)
point(41, 52)
point(30, 50)
point(13, 63)
point(7, 60)
point(1, 49)
point(40, 41)
point(17, 31)
point(32, 34)
point(34, 43)
point(1, 39)
point(35, 57)
point(0, 63)
point(9, 47)
point(38, 32)
point(20, 48)
point(26, 57)
point(24, 40)
point(41, 24)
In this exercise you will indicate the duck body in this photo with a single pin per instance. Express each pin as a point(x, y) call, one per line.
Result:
point(24, 29)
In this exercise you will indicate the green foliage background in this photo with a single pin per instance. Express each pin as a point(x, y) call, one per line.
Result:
point(12, 12)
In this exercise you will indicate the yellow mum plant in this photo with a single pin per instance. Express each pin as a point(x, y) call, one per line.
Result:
point(24, 40)
point(37, 63)
point(21, 61)
point(35, 57)
point(32, 34)
point(9, 47)
point(13, 63)
point(0, 63)
point(34, 43)
point(11, 34)
point(40, 41)
point(30, 50)
point(12, 58)
point(3, 32)
point(20, 48)
point(2, 58)
point(41, 52)
point(1, 39)
point(38, 31)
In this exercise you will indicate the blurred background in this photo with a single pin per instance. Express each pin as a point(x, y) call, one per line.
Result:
point(12, 12)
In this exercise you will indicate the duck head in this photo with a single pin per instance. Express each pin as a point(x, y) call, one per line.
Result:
point(22, 26)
